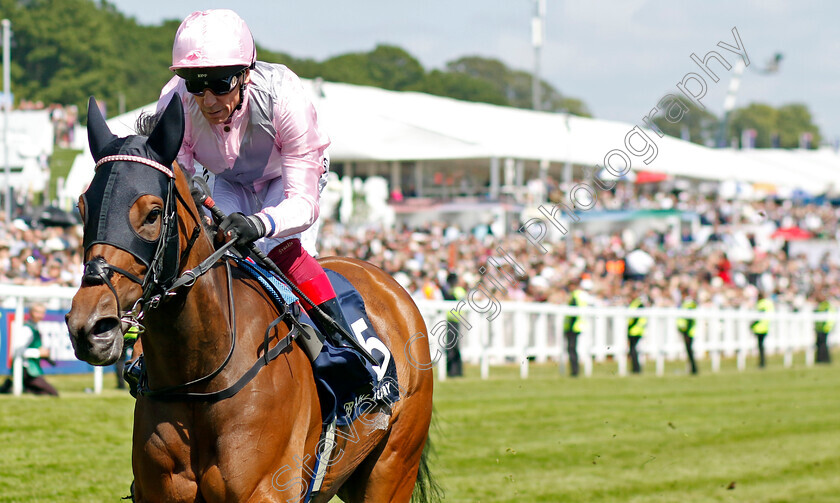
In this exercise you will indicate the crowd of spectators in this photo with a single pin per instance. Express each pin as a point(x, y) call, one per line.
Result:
point(710, 266)
point(36, 255)
point(64, 119)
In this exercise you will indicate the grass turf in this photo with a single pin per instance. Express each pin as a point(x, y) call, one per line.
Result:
point(768, 436)
point(60, 163)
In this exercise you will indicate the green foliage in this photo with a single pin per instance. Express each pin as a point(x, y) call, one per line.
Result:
point(350, 68)
point(788, 122)
point(793, 120)
point(386, 66)
point(759, 116)
point(67, 50)
point(461, 87)
point(702, 125)
point(60, 163)
point(305, 68)
point(393, 68)
point(515, 86)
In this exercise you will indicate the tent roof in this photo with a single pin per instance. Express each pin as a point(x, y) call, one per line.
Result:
point(367, 123)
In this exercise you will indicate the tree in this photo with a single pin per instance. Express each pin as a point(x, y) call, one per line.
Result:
point(386, 66)
point(393, 68)
point(516, 85)
point(67, 50)
point(701, 125)
point(461, 87)
point(787, 122)
point(758, 116)
point(793, 120)
point(304, 68)
point(350, 68)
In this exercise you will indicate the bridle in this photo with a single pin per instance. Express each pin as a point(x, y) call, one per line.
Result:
point(158, 285)
point(160, 280)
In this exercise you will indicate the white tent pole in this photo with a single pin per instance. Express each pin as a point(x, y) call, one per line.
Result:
point(7, 105)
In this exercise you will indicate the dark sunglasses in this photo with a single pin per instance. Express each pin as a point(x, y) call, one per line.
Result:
point(219, 87)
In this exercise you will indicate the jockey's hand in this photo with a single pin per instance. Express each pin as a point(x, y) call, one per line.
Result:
point(198, 195)
point(244, 229)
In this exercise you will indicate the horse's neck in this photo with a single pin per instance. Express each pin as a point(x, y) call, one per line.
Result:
point(189, 334)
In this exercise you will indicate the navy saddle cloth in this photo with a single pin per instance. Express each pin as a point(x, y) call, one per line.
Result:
point(348, 384)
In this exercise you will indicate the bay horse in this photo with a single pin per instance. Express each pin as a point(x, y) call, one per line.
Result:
point(148, 257)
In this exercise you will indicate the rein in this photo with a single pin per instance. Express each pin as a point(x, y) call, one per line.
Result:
point(170, 394)
point(157, 289)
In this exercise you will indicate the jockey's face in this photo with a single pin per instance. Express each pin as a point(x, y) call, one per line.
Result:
point(217, 109)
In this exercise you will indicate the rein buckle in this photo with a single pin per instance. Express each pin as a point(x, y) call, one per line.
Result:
point(193, 277)
point(154, 302)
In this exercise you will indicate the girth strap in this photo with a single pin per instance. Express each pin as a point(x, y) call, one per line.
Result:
point(216, 396)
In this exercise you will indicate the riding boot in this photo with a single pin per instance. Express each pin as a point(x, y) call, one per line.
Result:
point(331, 308)
point(305, 272)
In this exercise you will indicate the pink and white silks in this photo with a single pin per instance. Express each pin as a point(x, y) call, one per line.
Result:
point(268, 159)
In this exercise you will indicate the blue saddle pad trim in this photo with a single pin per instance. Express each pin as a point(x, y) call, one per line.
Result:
point(279, 291)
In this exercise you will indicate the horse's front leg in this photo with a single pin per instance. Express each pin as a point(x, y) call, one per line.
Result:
point(161, 460)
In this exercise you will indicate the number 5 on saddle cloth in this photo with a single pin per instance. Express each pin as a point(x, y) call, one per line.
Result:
point(345, 379)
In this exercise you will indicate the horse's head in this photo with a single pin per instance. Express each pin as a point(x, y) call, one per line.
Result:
point(131, 240)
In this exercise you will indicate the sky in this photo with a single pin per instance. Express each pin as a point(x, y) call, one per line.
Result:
point(620, 57)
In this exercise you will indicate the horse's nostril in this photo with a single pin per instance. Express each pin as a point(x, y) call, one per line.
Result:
point(105, 325)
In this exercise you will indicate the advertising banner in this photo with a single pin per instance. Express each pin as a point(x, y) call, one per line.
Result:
point(54, 336)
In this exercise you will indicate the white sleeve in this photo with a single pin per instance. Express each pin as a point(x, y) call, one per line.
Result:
point(21, 340)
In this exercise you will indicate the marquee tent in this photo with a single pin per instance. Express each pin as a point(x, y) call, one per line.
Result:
point(368, 124)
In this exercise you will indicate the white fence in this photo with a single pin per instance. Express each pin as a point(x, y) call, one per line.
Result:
point(56, 298)
point(516, 332)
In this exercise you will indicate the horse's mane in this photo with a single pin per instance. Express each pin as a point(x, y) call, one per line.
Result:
point(144, 126)
point(146, 123)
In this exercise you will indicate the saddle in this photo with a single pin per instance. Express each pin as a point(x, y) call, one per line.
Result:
point(345, 379)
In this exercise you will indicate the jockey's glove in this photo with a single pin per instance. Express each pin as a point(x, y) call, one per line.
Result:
point(244, 229)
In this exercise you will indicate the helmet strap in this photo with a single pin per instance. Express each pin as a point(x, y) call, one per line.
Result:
point(242, 85)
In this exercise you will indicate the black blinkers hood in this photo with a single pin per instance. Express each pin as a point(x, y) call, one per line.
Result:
point(117, 185)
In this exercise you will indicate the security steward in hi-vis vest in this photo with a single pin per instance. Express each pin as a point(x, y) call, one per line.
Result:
point(635, 332)
point(572, 328)
point(453, 291)
point(823, 328)
point(761, 327)
point(688, 327)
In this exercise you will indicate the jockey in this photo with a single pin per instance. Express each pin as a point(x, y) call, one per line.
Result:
point(253, 125)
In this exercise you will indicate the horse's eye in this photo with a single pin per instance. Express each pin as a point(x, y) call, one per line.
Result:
point(153, 216)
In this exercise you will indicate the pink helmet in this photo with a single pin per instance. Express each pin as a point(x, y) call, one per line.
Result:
point(213, 38)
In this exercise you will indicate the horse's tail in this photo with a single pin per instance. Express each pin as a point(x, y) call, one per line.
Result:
point(426, 488)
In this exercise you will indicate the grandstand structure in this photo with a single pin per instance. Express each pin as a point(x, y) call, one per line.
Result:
point(477, 163)
point(31, 140)
point(432, 146)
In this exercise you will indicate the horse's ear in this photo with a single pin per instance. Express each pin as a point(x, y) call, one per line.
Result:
point(99, 134)
point(165, 140)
